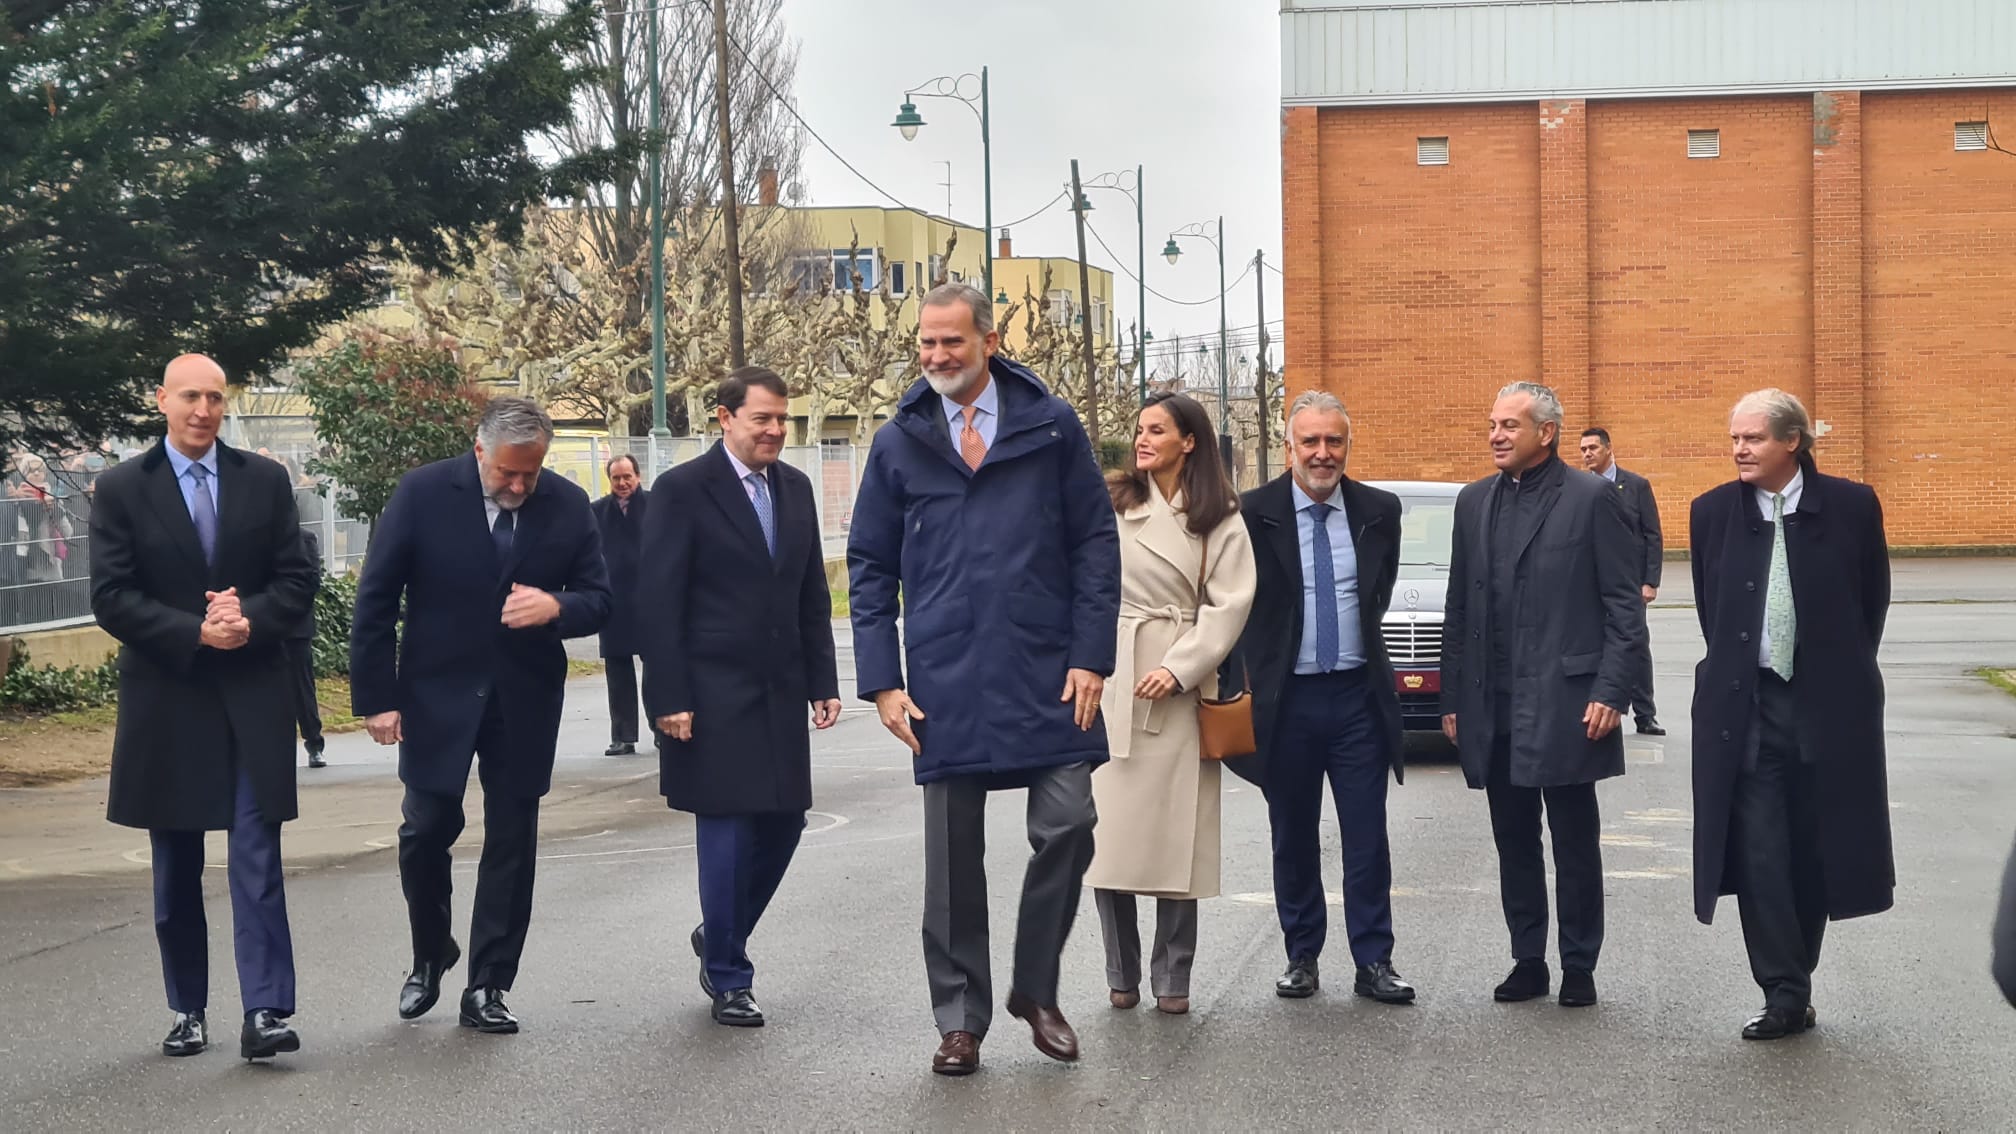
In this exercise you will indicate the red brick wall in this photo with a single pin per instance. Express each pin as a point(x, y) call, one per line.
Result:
point(1838, 248)
point(1428, 294)
point(1939, 232)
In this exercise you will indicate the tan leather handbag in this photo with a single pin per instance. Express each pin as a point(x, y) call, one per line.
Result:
point(1224, 725)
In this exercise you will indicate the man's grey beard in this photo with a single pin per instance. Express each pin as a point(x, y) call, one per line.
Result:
point(954, 385)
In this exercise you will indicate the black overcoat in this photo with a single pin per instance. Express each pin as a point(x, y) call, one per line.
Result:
point(433, 547)
point(622, 540)
point(1840, 565)
point(1579, 631)
point(741, 639)
point(1273, 634)
point(187, 711)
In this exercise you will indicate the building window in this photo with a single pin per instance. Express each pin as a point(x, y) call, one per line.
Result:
point(1431, 151)
point(1098, 316)
point(917, 273)
point(1704, 143)
point(937, 270)
point(1060, 306)
point(896, 277)
point(862, 264)
point(1970, 135)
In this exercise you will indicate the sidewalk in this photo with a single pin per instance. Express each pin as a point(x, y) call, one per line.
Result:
point(348, 810)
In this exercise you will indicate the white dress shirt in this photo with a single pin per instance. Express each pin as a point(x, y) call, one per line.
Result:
point(1791, 493)
point(743, 473)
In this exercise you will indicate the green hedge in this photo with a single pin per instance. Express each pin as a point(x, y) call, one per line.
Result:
point(334, 603)
point(47, 689)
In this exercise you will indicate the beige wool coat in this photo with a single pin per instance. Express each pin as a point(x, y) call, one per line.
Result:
point(1157, 799)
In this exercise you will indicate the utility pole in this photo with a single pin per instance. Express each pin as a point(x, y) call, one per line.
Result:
point(1085, 305)
point(1260, 380)
point(653, 64)
point(730, 222)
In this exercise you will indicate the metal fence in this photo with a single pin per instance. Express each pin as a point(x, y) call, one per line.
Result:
point(46, 502)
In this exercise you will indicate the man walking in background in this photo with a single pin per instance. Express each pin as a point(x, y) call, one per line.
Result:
point(620, 517)
point(1641, 512)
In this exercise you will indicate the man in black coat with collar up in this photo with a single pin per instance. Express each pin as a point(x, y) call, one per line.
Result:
point(1791, 797)
point(198, 570)
point(1324, 704)
point(1641, 511)
point(1543, 639)
point(620, 516)
point(736, 623)
point(497, 564)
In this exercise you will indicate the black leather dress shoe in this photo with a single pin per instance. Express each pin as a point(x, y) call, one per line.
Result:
point(1527, 980)
point(738, 1010)
point(1300, 981)
point(1578, 988)
point(423, 986)
point(1649, 727)
point(188, 1037)
point(700, 951)
point(1777, 1023)
point(266, 1035)
point(315, 759)
point(1378, 981)
point(620, 748)
point(483, 1009)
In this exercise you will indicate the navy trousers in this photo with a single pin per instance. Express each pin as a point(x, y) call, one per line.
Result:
point(1328, 729)
point(259, 934)
point(742, 861)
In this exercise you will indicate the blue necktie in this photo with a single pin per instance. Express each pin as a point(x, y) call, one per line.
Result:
point(204, 512)
point(500, 534)
point(766, 513)
point(1326, 588)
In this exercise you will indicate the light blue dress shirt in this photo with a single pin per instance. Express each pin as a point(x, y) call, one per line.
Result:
point(1344, 563)
point(1610, 474)
point(187, 483)
point(988, 415)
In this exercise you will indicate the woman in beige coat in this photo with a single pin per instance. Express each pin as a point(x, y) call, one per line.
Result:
point(1157, 798)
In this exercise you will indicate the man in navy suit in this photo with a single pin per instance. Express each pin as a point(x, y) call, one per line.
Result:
point(197, 570)
point(736, 625)
point(496, 564)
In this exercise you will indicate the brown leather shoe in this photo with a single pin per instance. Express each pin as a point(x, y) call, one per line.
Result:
point(1173, 1005)
point(1047, 1027)
point(958, 1054)
point(1123, 998)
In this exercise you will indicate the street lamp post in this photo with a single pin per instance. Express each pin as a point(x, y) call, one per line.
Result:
point(1170, 252)
point(947, 86)
point(1118, 181)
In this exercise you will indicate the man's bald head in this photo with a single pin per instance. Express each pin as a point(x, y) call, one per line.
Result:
point(191, 397)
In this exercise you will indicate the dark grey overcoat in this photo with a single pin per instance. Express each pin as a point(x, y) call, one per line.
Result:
point(1580, 632)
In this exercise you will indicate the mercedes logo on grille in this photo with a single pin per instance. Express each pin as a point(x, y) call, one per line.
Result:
point(1413, 599)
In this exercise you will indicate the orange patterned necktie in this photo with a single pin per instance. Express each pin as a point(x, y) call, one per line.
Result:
point(972, 446)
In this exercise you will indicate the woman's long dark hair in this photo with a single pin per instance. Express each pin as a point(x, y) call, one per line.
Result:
point(1207, 492)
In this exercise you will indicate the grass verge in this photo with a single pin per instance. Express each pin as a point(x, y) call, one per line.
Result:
point(53, 748)
point(2003, 679)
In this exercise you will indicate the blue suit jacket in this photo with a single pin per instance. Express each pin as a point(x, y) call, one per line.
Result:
point(432, 548)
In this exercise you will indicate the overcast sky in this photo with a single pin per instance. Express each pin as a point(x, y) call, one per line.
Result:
point(1188, 89)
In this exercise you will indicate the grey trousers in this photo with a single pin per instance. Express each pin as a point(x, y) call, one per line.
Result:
point(1175, 944)
point(956, 960)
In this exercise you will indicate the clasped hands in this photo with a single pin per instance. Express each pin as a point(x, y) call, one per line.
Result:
point(679, 726)
point(224, 624)
point(1082, 688)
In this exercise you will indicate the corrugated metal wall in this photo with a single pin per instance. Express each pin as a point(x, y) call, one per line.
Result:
point(1475, 50)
